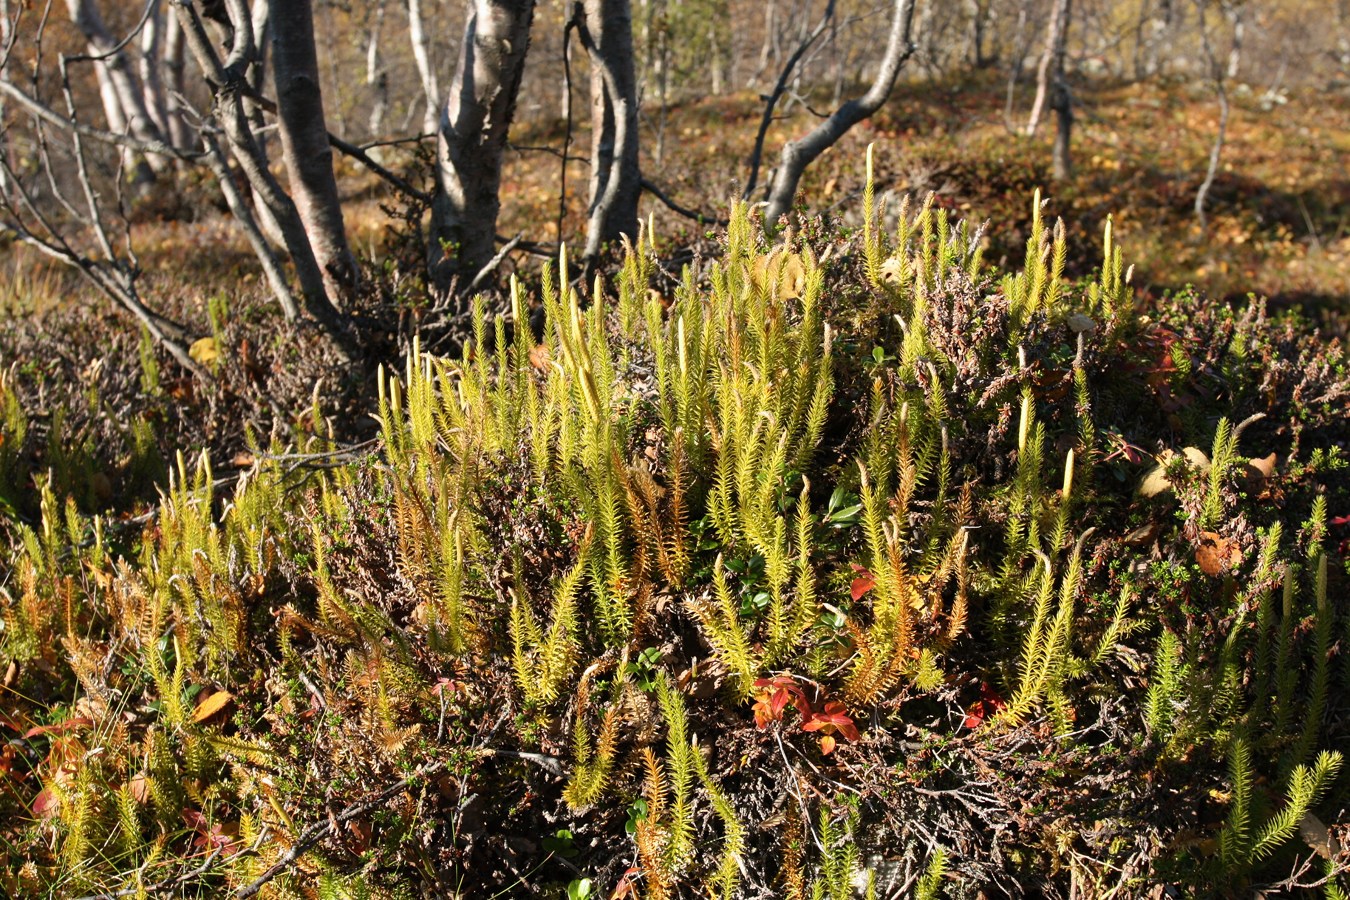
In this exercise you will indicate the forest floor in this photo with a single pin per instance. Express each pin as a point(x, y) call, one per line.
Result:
point(1279, 210)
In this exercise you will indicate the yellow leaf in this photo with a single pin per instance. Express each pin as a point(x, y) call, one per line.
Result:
point(203, 351)
point(211, 705)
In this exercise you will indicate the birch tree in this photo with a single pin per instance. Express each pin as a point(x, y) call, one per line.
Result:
point(305, 146)
point(471, 138)
point(799, 154)
point(606, 31)
point(1220, 73)
point(1054, 50)
point(124, 99)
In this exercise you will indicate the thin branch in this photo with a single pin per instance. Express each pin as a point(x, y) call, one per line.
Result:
point(40, 110)
point(117, 48)
point(496, 261)
point(355, 151)
point(572, 23)
point(320, 830)
point(395, 142)
point(757, 155)
point(551, 151)
point(797, 155)
point(701, 218)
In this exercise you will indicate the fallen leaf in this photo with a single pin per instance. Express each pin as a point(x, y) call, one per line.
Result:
point(211, 705)
point(892, 269)
point(140, 788)
point(1079, 323)
point(627, 883)
point(362, 832)
point(1264, 467)
point(1217, 555)
point(58, 728)
point(1154, 483)
point(1197, 458)
point(45, 804)
point(1316, 836)
point(203, 351)
point(791, 278)
point(862, 584)
point(1144, 534)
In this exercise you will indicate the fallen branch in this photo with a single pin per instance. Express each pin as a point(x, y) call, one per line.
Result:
point(320, 830)
point(496, 261)
point(174, 882)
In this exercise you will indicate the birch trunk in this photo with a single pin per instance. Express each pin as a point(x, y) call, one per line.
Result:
point(616, 180)
point(229, 112)
point(1220, 73)
point(152, 71)
point(431, 90)
point(472, 137)
point(304, 145)
point(1054, 47)
point(180, 134)
point(377, 79)
point(123, 98)
point(1061, 101)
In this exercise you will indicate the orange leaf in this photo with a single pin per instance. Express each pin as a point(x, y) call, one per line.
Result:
point(826, 744)
point(211, 705)
point(1217, 555)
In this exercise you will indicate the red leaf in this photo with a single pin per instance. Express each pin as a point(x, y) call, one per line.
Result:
point(847, 728)
point(862, 584)
point(834, 717)
point(974, 715)
point(195, 820)
point(989, 703)
point(59, 728)
point(45, 804)
point(1340, 520)
point(627, 883)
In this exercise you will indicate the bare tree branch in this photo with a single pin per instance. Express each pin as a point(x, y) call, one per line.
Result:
point(778, 90)
point(797, 155)
point(701, 218)
point(40, 110)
